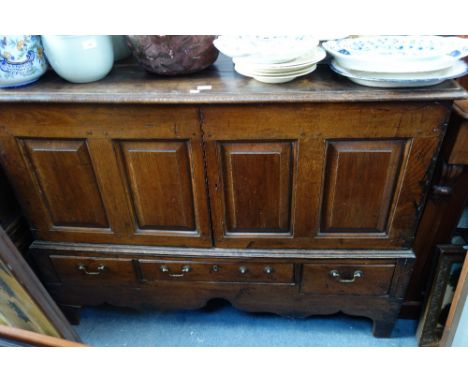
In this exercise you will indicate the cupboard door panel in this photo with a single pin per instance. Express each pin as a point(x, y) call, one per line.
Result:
point(257, 179)
point(159, 180)
point(359, 184)
point(67, 182)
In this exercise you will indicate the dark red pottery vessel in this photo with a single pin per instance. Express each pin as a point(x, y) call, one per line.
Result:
point(171, 55)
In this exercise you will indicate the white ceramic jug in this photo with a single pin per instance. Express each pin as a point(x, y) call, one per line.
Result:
point(79, 59)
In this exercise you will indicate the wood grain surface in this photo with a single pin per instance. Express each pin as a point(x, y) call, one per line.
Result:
point(129, 83)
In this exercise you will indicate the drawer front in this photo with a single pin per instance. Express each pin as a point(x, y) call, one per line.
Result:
point(71, 269)
point(155, 270)
point(347, 279)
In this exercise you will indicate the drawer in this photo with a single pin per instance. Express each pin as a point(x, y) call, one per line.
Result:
point(156, 270)
point(336, 278)
point(71, 269)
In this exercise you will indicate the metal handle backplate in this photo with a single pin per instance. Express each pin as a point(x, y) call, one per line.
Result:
point(100, 270)
point(337, 276)
point(185, 269)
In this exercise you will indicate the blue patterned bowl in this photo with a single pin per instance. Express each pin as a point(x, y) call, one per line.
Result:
point(22, 60)
point(397, 54)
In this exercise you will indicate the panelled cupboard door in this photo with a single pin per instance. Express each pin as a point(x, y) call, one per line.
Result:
point(319, 175)
point(112, 174)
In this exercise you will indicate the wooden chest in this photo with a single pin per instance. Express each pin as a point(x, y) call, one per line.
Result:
point(297, 199)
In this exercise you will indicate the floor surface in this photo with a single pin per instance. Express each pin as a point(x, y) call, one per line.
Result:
point(222, 325)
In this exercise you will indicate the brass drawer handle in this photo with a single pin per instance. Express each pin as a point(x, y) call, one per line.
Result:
point(268, 269)
point(185, 269)
point(243, 270)
point(100, 270)
point(336, 275)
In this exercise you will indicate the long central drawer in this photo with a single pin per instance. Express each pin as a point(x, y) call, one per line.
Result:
point(155, 270)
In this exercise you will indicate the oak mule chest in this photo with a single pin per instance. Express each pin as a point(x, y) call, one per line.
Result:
point(296, 199)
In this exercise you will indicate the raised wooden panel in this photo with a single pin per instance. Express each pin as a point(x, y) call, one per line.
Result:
point(257, 179)
point(65, 176)
point(160, 182)
point(360, 181)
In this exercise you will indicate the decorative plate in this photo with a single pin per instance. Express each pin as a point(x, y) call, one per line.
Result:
point(398, 53)
point(459, 69)
point(266, 49)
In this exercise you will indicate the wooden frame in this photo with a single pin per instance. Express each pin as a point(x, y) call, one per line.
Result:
point(458, 304)
point(10, 336)
point(432, 322)
point(24, 302)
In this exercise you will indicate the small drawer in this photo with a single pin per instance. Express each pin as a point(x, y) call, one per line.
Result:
point(350, 279)
point(155, 270)
point(72, 269)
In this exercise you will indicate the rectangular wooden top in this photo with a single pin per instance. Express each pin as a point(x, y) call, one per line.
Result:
point(128, 83)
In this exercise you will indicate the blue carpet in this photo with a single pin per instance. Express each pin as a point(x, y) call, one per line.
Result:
point(222, 325)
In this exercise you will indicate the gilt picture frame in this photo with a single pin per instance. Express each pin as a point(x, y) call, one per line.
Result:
point(441, 293)
point(24, 302)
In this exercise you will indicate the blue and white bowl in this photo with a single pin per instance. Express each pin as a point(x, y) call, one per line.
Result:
point(397, 54)
point(22, 60)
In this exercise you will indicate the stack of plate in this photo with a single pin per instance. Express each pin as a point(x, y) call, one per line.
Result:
point(272, 59)
point(282, 72)
point(399, 61)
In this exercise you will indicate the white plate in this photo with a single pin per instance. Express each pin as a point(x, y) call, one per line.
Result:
point(386, 80)
point(397, 54)
point(291, 72)
point(458, 66)
point(276, 79)
point(317, 55)
point(266, 49)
